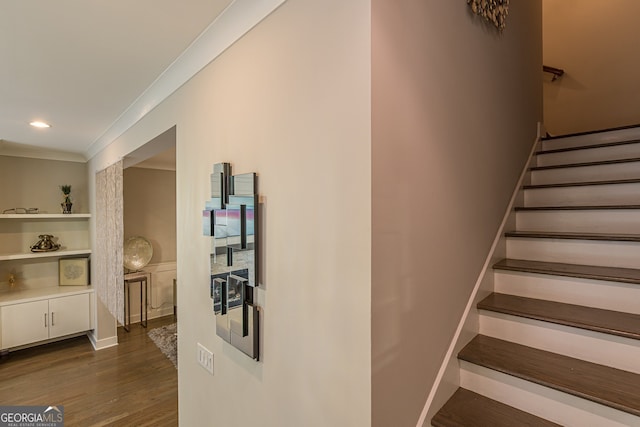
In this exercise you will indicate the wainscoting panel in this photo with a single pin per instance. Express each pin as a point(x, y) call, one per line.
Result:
point(160, 291)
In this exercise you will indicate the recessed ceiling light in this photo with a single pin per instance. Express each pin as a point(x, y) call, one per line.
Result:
point(37, 124)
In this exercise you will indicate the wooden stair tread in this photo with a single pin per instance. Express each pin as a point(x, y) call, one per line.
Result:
point(549, 137)
point(613, 274)
point(587, 147)
point(583, 164)
point(574, 236)
point(468, 409)
point(594, 319)
point(576, 208)
point(582, 184)
point(602, 384)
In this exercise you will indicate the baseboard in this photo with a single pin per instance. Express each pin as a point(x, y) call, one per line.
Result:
point(103, 343)
point(449, 370)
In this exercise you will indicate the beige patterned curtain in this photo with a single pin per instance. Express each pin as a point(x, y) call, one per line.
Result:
point(109, 235)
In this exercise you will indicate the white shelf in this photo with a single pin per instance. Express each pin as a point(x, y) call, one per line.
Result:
point(56, 254)
point(45, 216)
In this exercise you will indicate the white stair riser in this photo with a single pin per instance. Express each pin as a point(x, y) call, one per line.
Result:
point(542, 401)
point(610, 194)
point(595, 221)
point(592, 139)
point(629, 170)
point(615, 152)
point(604, 349)
point(586, 252)
point(571, 290)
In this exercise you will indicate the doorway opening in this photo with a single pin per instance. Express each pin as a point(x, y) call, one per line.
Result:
point(149, 212)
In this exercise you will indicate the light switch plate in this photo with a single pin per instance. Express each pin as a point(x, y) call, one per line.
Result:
point(205, 358)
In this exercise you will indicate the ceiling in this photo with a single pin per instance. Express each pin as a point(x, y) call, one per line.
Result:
point(79, 65)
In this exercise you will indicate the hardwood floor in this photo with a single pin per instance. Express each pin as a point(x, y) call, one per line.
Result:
point(131, 384)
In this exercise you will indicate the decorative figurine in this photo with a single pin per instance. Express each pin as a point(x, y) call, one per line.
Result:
point(45, 244)
point(66, 201)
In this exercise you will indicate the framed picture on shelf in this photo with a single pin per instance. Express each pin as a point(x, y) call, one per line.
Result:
point(73, 271)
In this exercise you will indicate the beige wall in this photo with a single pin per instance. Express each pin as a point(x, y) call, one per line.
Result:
point(150, 210)
point(455, 108)
point(290, 101)
point(34, 183)
point(595, 42)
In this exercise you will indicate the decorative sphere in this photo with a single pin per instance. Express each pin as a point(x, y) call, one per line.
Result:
point(137, 253)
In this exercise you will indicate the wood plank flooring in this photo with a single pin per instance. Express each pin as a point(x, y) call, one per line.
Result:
point(131, 384)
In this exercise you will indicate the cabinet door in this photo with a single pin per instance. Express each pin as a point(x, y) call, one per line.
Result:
point(69, 315)
point(24, 323)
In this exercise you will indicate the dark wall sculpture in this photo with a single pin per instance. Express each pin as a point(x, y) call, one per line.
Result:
point(231, 219)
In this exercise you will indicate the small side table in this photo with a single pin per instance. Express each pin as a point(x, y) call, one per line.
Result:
point(143, 279)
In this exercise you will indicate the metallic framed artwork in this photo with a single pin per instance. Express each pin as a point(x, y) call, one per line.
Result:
point(230, 218)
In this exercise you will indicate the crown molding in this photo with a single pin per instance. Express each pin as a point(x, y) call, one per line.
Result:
point(13, 149)
point(235, 21)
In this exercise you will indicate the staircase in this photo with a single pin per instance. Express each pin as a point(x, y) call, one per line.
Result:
point(559, 338)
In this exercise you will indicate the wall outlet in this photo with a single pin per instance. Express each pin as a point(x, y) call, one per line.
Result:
point(205, 358)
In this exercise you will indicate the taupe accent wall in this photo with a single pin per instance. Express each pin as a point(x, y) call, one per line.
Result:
point(454, 112)
point(35, 183)
point(595, 42)
point(150, 210)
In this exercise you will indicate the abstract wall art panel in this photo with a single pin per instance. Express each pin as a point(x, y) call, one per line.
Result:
point(230, 218)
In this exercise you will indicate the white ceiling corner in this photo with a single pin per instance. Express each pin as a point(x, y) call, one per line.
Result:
point(235, 21)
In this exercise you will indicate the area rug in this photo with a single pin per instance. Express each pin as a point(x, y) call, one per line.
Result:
point(166, 338)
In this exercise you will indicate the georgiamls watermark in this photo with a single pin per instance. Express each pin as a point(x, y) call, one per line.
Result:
point(31, 416)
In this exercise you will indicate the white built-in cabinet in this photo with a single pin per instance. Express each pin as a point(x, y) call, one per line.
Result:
point(24, 323)
point(37, 309)
point(30, 322)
